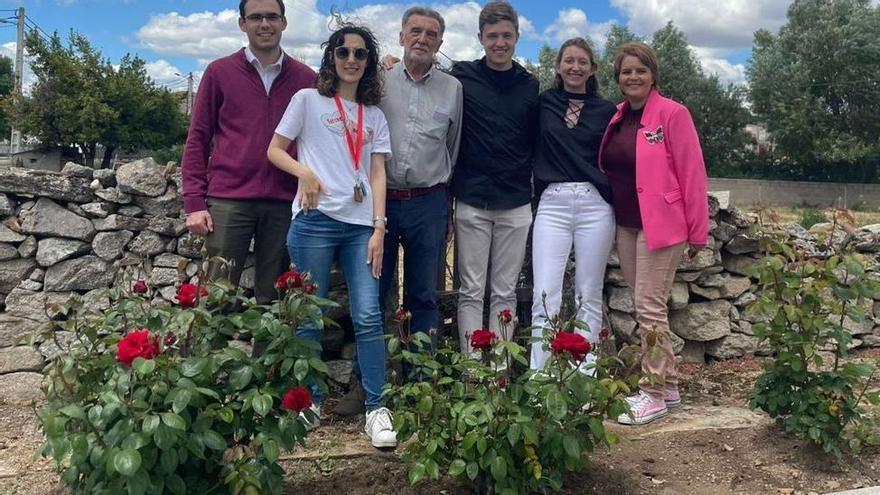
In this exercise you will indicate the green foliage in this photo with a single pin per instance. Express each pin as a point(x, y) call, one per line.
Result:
point(6, 87)
point(804, 306)
point(545, 71)
point(80, 97)
point(200, 417)
point(814, 86)
point(810, 217)
point(508, 435)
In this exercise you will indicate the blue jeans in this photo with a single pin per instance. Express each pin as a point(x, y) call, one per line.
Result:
point(419, 225)
point(313, 241)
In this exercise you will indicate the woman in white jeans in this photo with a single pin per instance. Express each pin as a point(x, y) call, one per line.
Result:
point(574, 208)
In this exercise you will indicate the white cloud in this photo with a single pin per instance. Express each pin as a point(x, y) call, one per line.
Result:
point(570, 23)
point(714, 61)
point(728, 24)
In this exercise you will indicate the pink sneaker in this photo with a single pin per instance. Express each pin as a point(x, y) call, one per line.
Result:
point(671, 397)
point(643, 409)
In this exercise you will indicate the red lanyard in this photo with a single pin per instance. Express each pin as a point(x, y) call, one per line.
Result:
point(353, 148)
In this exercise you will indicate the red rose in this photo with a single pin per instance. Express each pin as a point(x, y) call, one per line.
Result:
point(501, 382)
point(310, 288)
point(401, 314)
point(505, 316)
point(169, 340)
point(574, 343)
point(186, 294)
point(297, 399)
point(139, 287)
point(604, 333)
point(482, 339)
point(137, 344)
point(289, 280)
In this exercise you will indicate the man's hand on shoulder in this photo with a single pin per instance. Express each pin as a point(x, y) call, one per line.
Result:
point(200, 222)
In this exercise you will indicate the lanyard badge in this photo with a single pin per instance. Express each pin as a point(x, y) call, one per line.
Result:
point(355, 145)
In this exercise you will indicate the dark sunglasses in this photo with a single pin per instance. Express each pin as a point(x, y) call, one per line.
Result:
point(342, 52)
point(258, 18)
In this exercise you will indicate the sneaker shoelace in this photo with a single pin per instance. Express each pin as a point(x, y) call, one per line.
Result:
point(639, 402)
point(382, 418)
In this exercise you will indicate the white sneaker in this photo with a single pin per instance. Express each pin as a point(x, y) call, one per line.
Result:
point(311, 425)
point(378, 428)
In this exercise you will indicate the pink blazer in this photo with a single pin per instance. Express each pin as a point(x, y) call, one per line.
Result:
point(670, 174)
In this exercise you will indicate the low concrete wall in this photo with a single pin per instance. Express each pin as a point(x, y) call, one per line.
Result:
point(796, 193)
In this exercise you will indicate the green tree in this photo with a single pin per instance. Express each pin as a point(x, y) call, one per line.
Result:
point(718, 111)
point(617, 36)
point(6, 83)
point(815, 86)
point(545, 70)
point(80, 98)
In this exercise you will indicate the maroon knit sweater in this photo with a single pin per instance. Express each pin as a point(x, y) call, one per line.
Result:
point(232, 123)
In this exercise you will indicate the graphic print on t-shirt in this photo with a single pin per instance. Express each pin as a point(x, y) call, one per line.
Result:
point(333, 123)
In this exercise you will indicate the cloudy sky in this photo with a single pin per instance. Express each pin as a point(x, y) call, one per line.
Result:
point(179, 36)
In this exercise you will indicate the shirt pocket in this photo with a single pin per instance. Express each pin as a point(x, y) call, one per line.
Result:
point(437, 125)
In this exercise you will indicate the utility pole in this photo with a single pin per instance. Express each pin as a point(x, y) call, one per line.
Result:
point(15, 138)
point(189, 93)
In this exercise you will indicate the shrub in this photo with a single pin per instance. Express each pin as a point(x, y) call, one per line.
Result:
point(805, 304)
point(810, 217)
point(152, 399)
point(473, 418)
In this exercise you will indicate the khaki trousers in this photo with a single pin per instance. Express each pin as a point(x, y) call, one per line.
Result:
point(479, 235)
point(650, 274)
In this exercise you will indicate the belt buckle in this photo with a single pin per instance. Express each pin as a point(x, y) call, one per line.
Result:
point(406, 194)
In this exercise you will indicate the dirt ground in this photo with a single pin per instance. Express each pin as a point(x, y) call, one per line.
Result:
point(712, 445)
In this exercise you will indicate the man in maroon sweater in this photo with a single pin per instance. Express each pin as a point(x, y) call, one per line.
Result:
point(231, 193)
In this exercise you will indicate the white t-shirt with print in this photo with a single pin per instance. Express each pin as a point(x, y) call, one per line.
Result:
point(313, 121)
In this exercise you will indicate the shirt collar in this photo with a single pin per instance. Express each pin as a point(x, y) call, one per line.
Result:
point(423, 79)
point(253, 60)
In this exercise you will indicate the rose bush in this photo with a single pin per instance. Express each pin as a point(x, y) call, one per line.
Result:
point(507, 432)
point(153, 399)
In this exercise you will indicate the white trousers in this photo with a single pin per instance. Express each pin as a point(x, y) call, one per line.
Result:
point(569, 213)
point(479, 234)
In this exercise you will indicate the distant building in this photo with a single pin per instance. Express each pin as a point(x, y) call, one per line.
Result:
point(763, 142)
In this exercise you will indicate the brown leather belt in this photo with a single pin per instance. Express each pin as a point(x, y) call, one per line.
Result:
point(407, 194)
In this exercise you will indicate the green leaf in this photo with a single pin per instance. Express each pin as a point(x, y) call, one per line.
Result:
point(214, 440)
point(73, 411)
point(181, 400)
point(150, 423)
point(240, 377)
point(271, 450)
point(164, 437)
point(556, 405)
point(426, 404)
point(175, 484)
point(499, 468)
point(318, 365)
point(173, 421)
point(143, 367)
point(457, 467)
point(572, 447)
point(262, 404)
point(225, 414)
point(193, 367)
point(416, 473)
point(301, 369)
point(513, 434)
point(127, 461)
point(472, 470)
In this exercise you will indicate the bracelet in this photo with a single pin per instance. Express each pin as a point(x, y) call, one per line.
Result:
point(380, 219)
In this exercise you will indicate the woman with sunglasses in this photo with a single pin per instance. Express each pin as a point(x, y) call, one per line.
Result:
point(339, 210)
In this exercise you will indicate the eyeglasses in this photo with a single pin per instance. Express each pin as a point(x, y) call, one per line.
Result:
point(342, 52)
point(258, 18)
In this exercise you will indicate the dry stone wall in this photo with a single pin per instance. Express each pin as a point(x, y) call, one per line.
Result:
point(76, 231)
point(710, 294)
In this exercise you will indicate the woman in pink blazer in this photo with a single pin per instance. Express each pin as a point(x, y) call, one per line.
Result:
point(652, 156)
